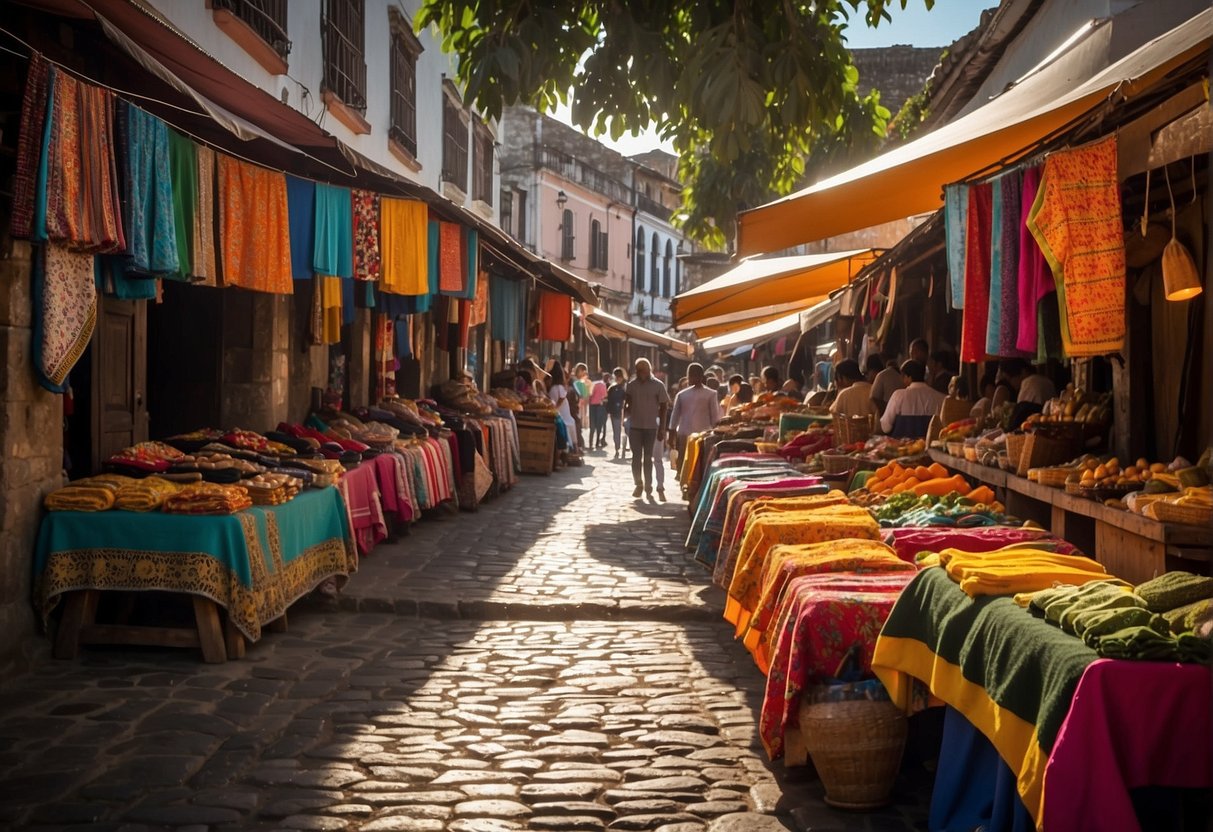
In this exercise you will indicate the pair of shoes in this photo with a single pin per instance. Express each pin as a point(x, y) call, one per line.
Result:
point(661, 494)
point(638, 491)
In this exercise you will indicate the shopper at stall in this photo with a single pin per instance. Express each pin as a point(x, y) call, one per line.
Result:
point(854, 393)
point(745, 393)
point(1029, 385)
point(559, 394)
point(920, 351)
point(645, 405)
point(909, 411)
point(730, 398)
point(614, 406)
point(695, 410)
point(987, 387)
point(941, 367)
point(771, 381)
point(886, 382)
point(598, 416)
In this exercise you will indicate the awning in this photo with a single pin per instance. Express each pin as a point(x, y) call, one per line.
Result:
point(909, 179)
point(814, 317)
point(724, 324)
point(600, 323)
point(761, 284)
point(787, 325)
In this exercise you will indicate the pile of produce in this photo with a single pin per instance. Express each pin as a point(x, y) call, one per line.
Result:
point(1074, 406)
point(808, 443)
point(931, 480)
point(955, 509)
point(958, 430)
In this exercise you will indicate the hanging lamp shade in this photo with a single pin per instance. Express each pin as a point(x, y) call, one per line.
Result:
point(1180, 279)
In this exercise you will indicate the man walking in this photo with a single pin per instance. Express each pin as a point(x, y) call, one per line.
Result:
point(645, 404)
point(696, 409)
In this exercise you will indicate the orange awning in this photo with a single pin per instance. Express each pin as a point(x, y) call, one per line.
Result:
point(769, 287)
point(600, 323)
point(909, 179)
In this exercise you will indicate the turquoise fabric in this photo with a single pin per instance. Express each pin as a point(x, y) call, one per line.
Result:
point(151, 228)
point(994, 321)
point(956, 213)
point(507, 310)
point(333, 252)
point(472, 242)
point(38, 228)
point(433, 251)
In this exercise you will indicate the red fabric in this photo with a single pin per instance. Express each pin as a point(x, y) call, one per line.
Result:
point(824, 616)
point(977, 274)
point(388, 472)
point(361, 494)
point(451, 273)
point(1131, 724)
point(555, 316)
point(909, 542)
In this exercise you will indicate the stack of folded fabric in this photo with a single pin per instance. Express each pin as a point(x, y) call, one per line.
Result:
point(271, 489)
point(88, 494)
point(1183, 599)
point(144, 458)
point(324, 471)
point(1015, 569)
point(145, 495)
point(208, 498)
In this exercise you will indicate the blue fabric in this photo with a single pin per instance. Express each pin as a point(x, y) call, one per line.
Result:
point(404, 348)
point(507, 310)
point(121, 284)
point(348, 300)
point(956, 218)
point(301, 214)
point(974, 787)
point(151, 229)
point(433, 254)
point(333, 252)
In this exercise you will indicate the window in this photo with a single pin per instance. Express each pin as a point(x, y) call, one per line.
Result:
point(345, 51)
point(267, 19)
point(665, 273)
point(520, 215)
point(506, 217)
point(677, 270)
point(638, 278)
point(454, 140)
point(654, 272)
point(566, 235)
point(482, 162)
point(405, 50)
point(598, 246)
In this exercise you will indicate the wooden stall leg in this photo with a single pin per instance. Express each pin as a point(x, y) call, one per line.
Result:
point(278, 625)
point(79, 611)
point(233, 639)
point(210, 634)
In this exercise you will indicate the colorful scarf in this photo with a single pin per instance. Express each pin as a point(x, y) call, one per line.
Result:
point(1003, 322)
point(480, 304)
point(977, 274)
point(66, 305)
point(404, 244)
point(202, 257)
point(254, 227)
point(956, 219)
point(1077, 221)
point(365, 206)
point(150, 223)
point(451, 276)
point(1035, 279)
point(334, 249)
point(183, 171)
point(30, 149)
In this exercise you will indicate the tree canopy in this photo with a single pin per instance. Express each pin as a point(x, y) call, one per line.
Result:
point(754, 95)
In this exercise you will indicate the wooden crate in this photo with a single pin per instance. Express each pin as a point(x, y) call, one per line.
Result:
point(536, 445)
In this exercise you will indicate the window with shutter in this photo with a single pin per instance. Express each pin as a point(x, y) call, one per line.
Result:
point(454, 139)
point(345, 51)
point(404, 52)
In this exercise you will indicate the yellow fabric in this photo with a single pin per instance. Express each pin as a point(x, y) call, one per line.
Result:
point(330, 302)
point(404, 246)
point(898, 661)
point(1015, 570)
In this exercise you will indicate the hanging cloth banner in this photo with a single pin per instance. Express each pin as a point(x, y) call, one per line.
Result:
point(301, 209)
point(555, 316)
point(65, 306)
point(183, 173)
point(1003, 321)
point(150, 224)
point(451, 272)
point(333, 253)
point(254, 227)
point(366, 234)
point(202, 257)
point(977, 274)
point(31, 152)
point(404, 244)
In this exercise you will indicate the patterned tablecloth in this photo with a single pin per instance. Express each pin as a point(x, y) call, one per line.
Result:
point(254, 563)
point(821, 618)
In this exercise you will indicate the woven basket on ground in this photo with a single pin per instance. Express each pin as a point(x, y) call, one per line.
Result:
point(856, 748)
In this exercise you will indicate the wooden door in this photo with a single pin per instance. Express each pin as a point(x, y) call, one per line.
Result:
point(119, 403)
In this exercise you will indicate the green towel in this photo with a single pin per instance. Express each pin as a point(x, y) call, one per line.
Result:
point(1097, 598)
point(1138, 643)
point(1175, 589)
point(1185, 619)
point(1094, 624)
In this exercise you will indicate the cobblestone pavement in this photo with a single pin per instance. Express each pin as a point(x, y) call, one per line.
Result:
point(549, 663)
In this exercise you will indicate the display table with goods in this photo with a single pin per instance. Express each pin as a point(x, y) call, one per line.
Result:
point(252, 564)
point(1051, 658)
point(1121, 532)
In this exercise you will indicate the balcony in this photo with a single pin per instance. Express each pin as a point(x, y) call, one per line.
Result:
point(653, 208)
point(577, 171)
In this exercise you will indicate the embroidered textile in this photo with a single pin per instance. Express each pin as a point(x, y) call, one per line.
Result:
point(334, 244)
point(451, 274)
point(956, 220)
point(151, 228)
point(254, 228)
point(202, 257)
point(977, 274)
point(405, 246)
point(66, 308)
point(365, 206)
point(1077, 221)
point(34, 107)
point(480, 306)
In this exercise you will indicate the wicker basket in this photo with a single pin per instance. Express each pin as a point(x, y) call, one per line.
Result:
point(1040, 451)
point(1015, 442)
point(1052, 477)
point(849, 430)
point(1166, 512)
point(856, 748)
point(956, 449)
point(838, 463)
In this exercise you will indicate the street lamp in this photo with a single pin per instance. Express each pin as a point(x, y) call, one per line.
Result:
point(561, 199)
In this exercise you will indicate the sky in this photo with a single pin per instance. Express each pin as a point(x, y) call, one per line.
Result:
point(913, 26)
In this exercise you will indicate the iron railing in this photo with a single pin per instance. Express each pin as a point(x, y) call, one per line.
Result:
point(345, 51)
point(265, 17)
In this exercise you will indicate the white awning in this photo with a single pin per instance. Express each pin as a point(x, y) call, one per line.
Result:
point(787, 325)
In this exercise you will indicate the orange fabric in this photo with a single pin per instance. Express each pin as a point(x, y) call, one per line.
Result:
point(254, 230)
point(450, 257)
point(480, 305)
point(1077, 221)
point(555, 316)
point(404, 246)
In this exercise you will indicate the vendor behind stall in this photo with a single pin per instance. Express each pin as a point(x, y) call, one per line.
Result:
point(910, 410)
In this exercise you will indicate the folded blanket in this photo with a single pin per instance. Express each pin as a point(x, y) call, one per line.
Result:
point(1013, 569)
point(1187, 619)
point(1175, 589)
point(1094, 625)
point(145, 495)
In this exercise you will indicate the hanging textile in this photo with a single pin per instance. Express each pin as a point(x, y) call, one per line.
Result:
point(404, 245)
point(1035, 278)
point(365, 207)
point(1003, 322)
point(114, 278)
point(348, 302)
point(507, 317)
point(404, 337)
point(150, 226)
point(334, 244)
point(977, 274)
point(471, 264)
point(254, 227)
point(480, 305)
point(301, 211)
point(1077, 221)
point(30, 149)
point(956, 219)
point(555, 316)
point(202, 257)
point(183, 173)
point(65, 305)
point(330, 304)
point(451, 274)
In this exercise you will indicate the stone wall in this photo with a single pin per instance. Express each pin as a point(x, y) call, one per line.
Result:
point(32, 461)
point(256, 347)
point(897, 71)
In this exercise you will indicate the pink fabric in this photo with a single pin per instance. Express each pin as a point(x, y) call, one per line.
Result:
point(361, 494)
point(1131, 724)
point(389, 474)
point(1035, 276)
point(910, 541)
point(598, 392)
point(977, 274)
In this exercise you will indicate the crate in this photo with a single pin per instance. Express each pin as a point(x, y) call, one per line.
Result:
point(536, 445)
point(1042, 451)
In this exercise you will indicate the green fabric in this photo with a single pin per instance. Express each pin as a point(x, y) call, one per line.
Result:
point(1026, 666)
point(1147, 644)
point(1096, 597)
point(183, 171)
point(1091, 626)
point(1175, 589)
point(1185, 619)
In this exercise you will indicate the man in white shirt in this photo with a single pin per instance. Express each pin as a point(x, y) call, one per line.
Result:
point(696, 409)
point(645, 404)
point(914, 405)
point(854, 393)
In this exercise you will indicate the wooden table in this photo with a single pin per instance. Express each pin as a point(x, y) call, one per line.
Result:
point(1132, 547)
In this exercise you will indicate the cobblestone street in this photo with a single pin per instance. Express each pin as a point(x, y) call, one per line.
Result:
point(552, 662)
